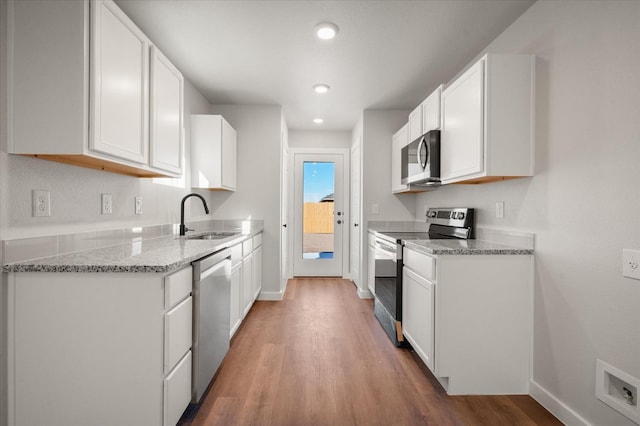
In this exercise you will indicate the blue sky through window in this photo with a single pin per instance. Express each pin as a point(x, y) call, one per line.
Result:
point(318, 181)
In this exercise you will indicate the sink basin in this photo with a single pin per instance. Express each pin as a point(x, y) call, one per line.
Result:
point(212, 236)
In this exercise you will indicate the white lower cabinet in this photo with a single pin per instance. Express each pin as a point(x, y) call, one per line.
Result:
point(418, 314)
point(235, 309)
point(177, 391)
point(469, 318)
point(257, 268)
point(247, 283)
point(98, 348)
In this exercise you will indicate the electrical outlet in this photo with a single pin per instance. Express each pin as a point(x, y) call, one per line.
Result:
point(375, 208)
point(138, 205)
point(40, 203)
point(499, 209)
point(107, 204)
point(631, 263)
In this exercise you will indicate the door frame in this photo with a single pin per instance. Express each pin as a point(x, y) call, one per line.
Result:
point(346, 170)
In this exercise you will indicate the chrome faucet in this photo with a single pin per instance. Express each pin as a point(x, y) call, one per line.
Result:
point(183, 228)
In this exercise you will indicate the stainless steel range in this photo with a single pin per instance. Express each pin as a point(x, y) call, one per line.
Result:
point(444, 223)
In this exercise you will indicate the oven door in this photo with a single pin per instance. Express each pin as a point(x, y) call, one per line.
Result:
point(387, 279)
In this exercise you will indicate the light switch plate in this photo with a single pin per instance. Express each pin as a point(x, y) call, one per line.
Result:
point(138, 208)
point(107, 204)
point(375, 208)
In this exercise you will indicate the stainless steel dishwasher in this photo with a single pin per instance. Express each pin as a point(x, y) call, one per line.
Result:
point(211, 298)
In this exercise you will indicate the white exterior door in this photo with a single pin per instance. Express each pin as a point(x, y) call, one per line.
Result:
point(319, 215)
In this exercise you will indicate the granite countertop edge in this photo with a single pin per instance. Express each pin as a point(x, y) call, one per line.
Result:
point(157, 255)
point(475, 247)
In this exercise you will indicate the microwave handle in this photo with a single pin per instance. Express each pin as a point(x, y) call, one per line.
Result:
point(423, 165)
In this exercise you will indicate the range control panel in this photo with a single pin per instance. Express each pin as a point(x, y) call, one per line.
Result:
point(451, 216)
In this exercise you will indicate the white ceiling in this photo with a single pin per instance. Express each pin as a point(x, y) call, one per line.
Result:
point(388, 54)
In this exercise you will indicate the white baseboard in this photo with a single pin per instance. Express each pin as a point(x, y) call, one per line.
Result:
point(562, 411)
point(364, 294)
point(271, 295)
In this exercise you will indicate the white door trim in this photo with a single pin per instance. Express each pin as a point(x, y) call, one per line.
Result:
point(345, 152)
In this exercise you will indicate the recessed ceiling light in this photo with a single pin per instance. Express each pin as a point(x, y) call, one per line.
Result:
point(326, 30)
point(318, 120)
point(321, 88)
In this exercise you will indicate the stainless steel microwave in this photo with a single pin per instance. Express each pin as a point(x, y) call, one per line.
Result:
point(421, 160)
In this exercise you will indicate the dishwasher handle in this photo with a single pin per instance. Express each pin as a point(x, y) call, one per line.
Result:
point(211, 260)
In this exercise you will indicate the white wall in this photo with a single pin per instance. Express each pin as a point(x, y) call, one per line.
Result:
point(319, 139)
point(374, 131)
point(583, 203)
point(378, 128)
point(258, 187)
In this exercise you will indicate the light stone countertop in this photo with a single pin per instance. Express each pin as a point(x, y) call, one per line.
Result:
point(162, 254)
point(464, 247)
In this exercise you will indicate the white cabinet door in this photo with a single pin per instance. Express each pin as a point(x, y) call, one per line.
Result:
point(177, 333)
point(487, 121)
point(177, 391)
point(119, 88)
point(165, 114)
point(213, 153)
point(247, 283)
point(462, 141)
point(229, 156)
point(431, 111)
point(415, 123)
point(257, 272)
point(235, 309)
point(398, 141)
point(418, 296)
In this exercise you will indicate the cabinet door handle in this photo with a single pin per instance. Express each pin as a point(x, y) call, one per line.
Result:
point(339, 222)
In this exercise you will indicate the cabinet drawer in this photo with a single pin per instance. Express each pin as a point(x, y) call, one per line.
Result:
point(177, 391)
point(177, 286)
point(422, 264)
point(257, 241)
point(247, 247)
point(177, 333)
point(236, 253)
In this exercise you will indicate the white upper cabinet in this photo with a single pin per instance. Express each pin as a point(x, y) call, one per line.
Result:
point(415, 124)
point(398, 141)
point(119, 87)
point(487, 121)
point(431, 111)
point(166, 114)
point(81, 90)
point(213, 153)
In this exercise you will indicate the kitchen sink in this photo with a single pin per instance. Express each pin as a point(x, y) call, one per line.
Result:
point(212, 235)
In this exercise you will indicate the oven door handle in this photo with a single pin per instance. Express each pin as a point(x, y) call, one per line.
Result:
point(391, 252)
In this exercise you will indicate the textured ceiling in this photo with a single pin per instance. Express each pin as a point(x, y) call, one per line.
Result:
point(388, 54)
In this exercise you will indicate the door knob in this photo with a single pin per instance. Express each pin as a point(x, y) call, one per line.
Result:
point(355, 224)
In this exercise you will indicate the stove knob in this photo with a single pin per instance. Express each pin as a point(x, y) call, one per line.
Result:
point(460, 215)
point(431, 213)
point(454, 215)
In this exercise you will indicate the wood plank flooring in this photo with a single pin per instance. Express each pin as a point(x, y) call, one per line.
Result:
point(319, 357)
